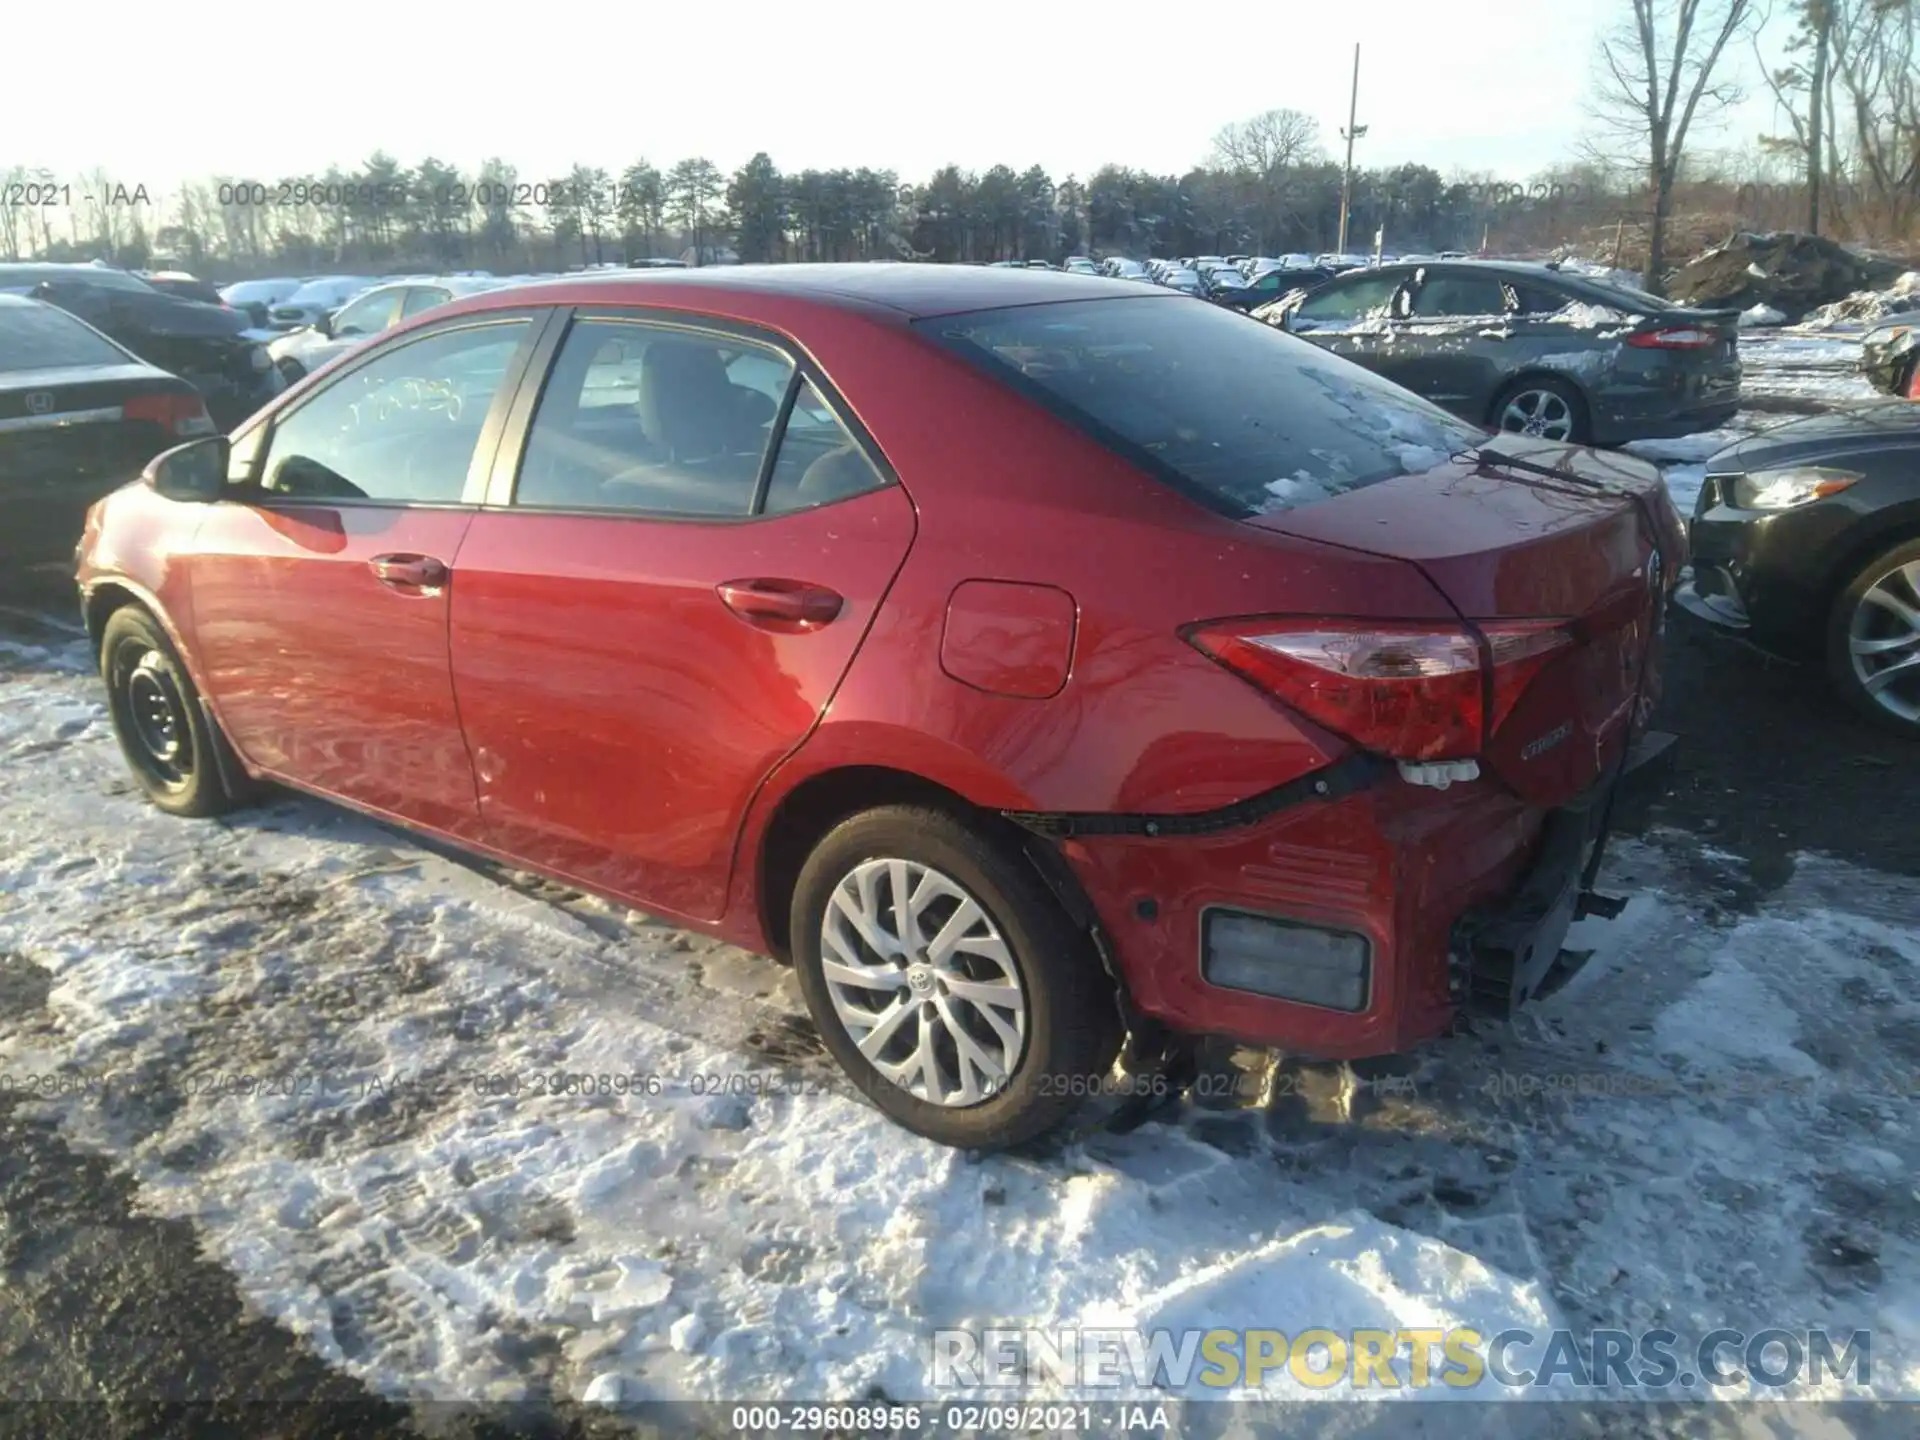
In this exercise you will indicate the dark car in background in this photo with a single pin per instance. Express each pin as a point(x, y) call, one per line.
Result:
point(317, 297)
point(258, 297)
point(1270, 285)
point(79, 416)
point(1529, 349)
point(1890, 355)
point(1806, 542)
point(206, 345)
point(183, 285)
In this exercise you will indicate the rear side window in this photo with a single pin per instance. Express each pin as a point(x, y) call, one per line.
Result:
point(646, 418)
point(1238, 414)
point(39, 337)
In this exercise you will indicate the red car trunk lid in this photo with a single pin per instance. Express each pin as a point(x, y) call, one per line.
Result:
point(1504, 545)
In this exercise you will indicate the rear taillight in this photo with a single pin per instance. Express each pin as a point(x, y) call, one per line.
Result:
point(1410, 691)
point(1684, 337)
point(176, 414)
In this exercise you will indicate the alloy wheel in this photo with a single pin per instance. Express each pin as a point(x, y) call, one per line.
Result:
point(1538, 412)
point(1883, 641)
point(924, 982)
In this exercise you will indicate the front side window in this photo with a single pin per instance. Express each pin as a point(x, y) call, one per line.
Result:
point(401, 428)
point(1241, 416)
point(649, 418)
point(370, 314)
point(1348, 303)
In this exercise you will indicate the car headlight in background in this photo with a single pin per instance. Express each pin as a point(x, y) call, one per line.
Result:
point(1783, 489)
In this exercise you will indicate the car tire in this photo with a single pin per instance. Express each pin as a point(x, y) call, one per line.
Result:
point(1865, 636)
point(1559, 408)
point(171, 743)
point(1021, 952)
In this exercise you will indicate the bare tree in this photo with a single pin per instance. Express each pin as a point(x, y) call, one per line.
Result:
point(1879, 83)
point(1270, 142)
point(1657, 78)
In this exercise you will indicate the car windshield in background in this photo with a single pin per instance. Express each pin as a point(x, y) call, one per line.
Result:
point(1242, 416)
point(40, 337)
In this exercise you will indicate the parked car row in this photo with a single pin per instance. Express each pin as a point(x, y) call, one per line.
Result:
point(211, 346)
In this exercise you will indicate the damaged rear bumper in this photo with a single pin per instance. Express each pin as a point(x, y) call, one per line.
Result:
point(1501, 956)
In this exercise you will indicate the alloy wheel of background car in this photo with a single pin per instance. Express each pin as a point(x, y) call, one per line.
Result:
point(947, 980)
point(1881, 639)
point(1540, 412)
point(157, 718)
point(922, 979)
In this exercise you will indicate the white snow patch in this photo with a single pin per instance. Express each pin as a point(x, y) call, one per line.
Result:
point(1761, 316)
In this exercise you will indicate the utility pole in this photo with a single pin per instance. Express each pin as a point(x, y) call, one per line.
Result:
point(1352, 133)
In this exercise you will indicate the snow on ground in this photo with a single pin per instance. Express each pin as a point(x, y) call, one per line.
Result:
point(330, 1050)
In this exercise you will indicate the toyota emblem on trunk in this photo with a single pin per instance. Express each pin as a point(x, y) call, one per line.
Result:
point(39, 402)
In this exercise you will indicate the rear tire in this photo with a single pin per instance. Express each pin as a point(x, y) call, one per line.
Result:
point(992, 1022)
point(171, 743)
point(1542, 407)
point(1873, 627)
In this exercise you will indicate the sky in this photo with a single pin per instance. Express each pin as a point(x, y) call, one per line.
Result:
point(1498, 86)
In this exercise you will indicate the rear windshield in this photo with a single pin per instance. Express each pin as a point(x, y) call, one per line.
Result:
point(1242, 416)
point(39, 337)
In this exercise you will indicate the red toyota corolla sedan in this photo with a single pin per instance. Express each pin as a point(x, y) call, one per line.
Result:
point(1036, 660)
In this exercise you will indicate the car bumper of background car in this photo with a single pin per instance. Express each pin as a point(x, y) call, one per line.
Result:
point(1756, 574)
point(1354, 902)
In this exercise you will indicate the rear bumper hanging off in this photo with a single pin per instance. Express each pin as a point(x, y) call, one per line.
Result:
point(1501, 956)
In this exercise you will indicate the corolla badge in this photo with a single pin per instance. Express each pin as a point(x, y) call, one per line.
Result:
point(1534, 749)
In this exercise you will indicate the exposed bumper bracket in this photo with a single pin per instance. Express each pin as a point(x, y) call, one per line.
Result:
point(1356, 771)
point(1503, 955)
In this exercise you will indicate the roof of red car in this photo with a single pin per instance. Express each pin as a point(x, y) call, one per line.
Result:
point(912, 289)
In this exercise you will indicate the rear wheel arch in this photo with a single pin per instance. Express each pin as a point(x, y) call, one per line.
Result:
point(809, 812)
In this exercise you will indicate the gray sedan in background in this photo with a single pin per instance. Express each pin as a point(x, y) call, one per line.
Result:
point(303, 351)
point(1529, 348)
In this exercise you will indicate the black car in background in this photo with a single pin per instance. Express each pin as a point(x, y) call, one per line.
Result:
point(1806, 543)
point(1271, 285)
point(1528, 348)
point(206, 345)
point(79, 416)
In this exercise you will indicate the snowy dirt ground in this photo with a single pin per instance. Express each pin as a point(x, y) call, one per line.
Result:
point(302, 1061)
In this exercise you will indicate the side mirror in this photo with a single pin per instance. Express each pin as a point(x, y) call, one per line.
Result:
point(323, 324)
point(195, 472)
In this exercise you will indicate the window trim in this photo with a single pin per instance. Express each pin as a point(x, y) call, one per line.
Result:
point(249, 491)
point(503, 482)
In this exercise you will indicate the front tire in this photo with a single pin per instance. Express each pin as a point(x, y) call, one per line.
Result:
point(1873, 640)
point(947, 980)
point(169, 740)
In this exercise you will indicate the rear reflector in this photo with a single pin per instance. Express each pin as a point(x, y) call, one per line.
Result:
point(1286, 959)
point(175, 413)
point(1410, 691)
point(1683, 338)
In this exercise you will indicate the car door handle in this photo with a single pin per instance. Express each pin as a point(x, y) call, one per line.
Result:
point(787, 606)
point(421, 572)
